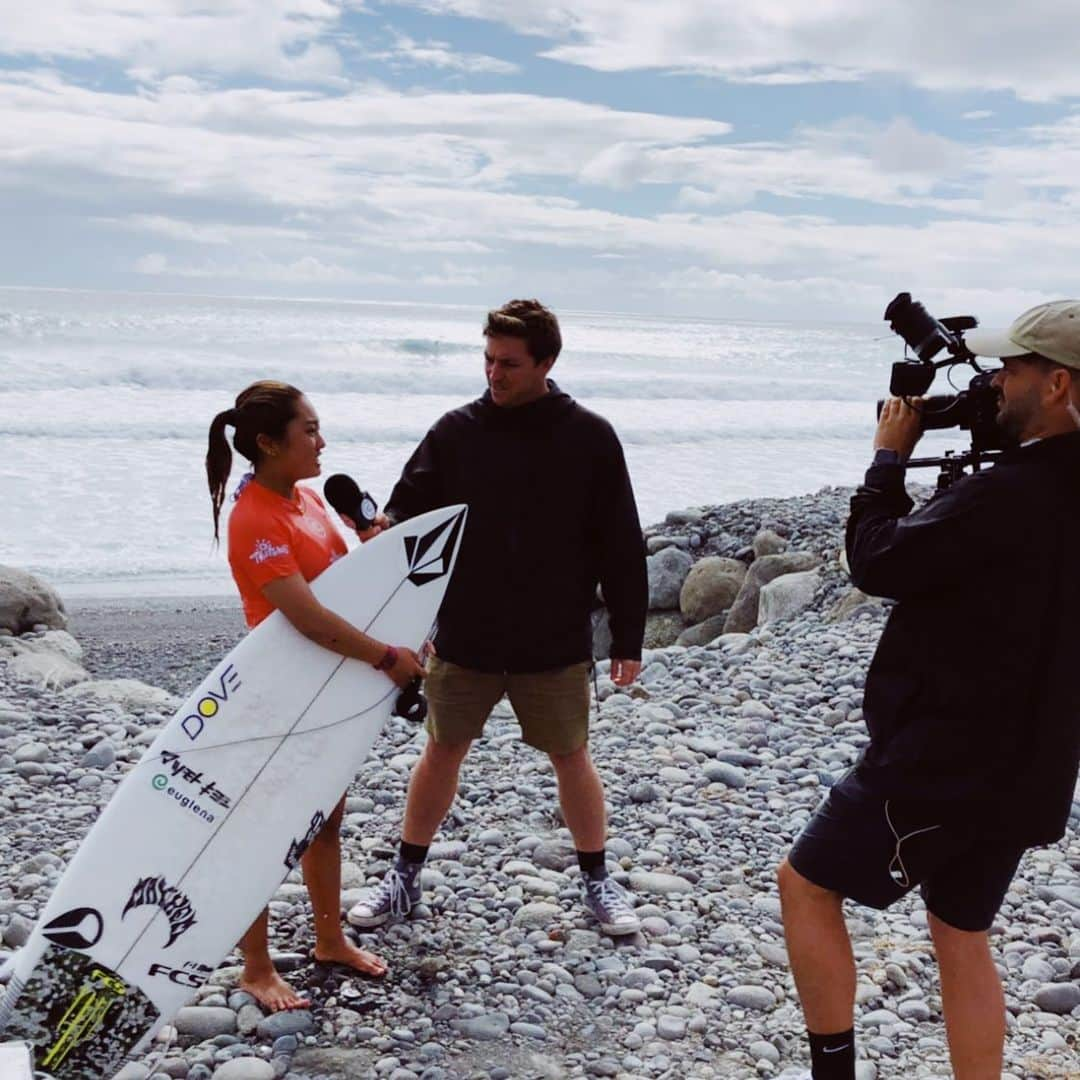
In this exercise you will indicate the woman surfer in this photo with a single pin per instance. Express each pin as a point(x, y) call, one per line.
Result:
point(280, 538)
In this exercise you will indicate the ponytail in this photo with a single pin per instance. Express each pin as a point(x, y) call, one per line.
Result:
point(219, 463)
point(264, 408)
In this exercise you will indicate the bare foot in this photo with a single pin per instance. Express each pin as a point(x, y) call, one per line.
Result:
point(272, 992)
point(345, 952)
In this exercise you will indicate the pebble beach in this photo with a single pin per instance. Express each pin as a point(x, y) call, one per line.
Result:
point(712, 764)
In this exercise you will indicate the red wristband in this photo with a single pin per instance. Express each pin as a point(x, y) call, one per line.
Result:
point(389, 659)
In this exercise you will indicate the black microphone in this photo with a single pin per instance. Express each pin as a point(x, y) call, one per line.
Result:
point(344, 495)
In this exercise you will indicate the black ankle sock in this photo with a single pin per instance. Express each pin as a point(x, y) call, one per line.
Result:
point(413, 854)
point(592, 863)
point(832, 1057)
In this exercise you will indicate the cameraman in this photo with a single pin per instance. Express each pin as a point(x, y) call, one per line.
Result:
point(972, 700)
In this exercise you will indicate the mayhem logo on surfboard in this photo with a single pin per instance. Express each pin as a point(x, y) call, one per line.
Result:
point(172, 903)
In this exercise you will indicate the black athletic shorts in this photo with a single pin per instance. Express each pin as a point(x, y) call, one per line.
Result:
point(875, 850)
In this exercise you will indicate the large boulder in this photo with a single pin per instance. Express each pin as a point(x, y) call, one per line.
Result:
point(711, 587)
point(703, 633)
point(787, 595)
point(131, 695)
point(852, 604)
point(27, 601)
point(768, 542)
point(50, 660)
point(667, 572)
point(743, 614)
point(662, 628)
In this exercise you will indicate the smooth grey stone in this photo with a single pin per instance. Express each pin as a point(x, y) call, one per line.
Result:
point(32, 751)
point(245, 1068)
point(530, 1031)
point(764, 1051)
point(756, 998)
point(556, 853)
point(671, 1028)
point(667, 571)
point(647, 881)
point(100, 756)
point(204, 1022)
point(539, 914)
point(18, 931)
point(603, 1067)
point(878, 1018)
point(290, 1022)
point(488, 1026)
point(644, 792)
point(1069, 893)
point(722, 772)
point(1059, 998)
point(914, 1011)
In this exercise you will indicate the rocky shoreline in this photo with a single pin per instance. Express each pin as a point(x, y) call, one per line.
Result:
point(712, 764)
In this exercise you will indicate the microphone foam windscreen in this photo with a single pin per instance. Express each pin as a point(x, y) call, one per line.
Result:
point(342, 493)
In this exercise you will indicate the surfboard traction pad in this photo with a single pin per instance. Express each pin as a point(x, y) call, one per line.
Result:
point(80, 1017)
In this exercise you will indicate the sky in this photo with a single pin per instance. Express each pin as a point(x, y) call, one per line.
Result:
point(772, 160)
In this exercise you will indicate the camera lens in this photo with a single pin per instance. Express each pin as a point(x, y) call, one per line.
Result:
point(924, 335)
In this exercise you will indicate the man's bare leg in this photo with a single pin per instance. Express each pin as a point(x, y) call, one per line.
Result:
point(823, 965)
point(432, 787)
point(972, 1000)
point(581, 797)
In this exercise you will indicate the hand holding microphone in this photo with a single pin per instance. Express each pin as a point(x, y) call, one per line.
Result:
point(355, 507)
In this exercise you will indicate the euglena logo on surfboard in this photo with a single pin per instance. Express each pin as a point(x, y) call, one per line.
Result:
point(187, 785)
point(431, 555)
point(209, 705)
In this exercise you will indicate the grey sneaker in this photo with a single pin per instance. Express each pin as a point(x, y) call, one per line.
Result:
point(612, 905)
point(392, 896)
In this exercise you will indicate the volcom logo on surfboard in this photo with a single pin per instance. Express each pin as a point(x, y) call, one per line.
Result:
point(172, 903)
point(430, 555)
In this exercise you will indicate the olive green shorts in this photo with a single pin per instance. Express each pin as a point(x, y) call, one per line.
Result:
point(552, 707)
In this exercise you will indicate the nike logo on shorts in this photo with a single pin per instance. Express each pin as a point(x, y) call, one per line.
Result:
point(835, 1049)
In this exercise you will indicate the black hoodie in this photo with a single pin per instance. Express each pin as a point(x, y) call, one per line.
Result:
point(973, 696)
point(551, 514)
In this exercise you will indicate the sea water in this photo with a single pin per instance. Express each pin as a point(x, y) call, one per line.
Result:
point(106, 398)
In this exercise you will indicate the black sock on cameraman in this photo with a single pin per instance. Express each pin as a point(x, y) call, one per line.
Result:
point(832, 1057)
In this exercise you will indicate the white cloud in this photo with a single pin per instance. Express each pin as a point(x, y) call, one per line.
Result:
point(965, 44)
point(902, 148)
point(283, 39)
point(438, 54)
point(214, 233)
point(306, 270)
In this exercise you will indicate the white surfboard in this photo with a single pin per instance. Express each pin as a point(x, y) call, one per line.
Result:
point(220, 808)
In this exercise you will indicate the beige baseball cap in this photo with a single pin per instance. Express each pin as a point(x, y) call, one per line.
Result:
point(1051, 330)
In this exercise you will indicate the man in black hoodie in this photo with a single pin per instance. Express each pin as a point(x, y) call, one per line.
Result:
point(551, 516)
point(972, 700)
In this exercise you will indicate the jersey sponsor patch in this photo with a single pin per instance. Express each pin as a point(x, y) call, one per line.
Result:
point(264, 551)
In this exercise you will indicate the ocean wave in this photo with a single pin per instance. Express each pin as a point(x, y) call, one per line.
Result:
point(763, 428)
point(228, 380)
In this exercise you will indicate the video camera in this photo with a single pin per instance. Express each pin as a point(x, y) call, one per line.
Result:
point(973, 409)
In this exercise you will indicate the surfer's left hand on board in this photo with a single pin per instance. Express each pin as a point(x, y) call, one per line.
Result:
point(402, 665)
point(624, 672)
